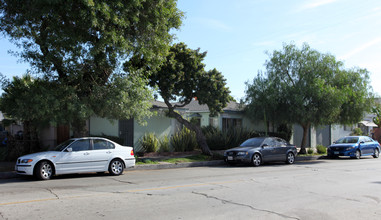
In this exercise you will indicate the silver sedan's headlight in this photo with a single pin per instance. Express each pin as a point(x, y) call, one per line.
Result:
point(26, 160)
point(242, 153)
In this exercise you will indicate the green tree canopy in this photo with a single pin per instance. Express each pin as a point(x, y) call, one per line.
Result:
point(181, 78)
point(376, 110)
point(81, 46)
point(41, 102)
point(306, 87)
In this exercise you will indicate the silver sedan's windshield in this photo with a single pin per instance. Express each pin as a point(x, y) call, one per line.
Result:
point(348, 140)
point(63, 145)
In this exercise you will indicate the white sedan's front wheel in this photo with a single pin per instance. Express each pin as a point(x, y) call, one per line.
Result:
point(44, 170)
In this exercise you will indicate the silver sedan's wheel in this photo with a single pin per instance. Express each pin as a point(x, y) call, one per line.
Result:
point(44, 170)
point(116, 167)
point(290, 158)
point(376, 153)
point(257, 160)
point(358, 154)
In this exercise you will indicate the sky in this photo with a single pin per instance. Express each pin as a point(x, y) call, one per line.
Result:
point(236, 34)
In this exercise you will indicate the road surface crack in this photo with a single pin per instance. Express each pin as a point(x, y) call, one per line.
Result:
point(2, 216)
point(51, 191)
point(239, 204)
point(121, 181)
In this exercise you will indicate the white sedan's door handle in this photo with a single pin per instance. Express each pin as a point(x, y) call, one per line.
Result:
point(109, 152)
point(87, 153)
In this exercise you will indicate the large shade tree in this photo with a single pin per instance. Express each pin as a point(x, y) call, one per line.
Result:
point(181, 78)
point(309, 88)
point(80, 46)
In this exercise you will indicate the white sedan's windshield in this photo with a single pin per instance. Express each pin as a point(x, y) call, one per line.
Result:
point(62, 146)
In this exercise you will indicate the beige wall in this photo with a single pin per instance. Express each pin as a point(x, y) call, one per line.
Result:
point(160, 125)
point(99, 126)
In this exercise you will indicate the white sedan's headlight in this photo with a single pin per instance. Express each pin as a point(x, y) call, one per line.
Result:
point(242, 153)
point(26, 160)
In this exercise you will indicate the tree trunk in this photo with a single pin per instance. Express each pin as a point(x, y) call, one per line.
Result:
point(201, 139)
point(304, 140)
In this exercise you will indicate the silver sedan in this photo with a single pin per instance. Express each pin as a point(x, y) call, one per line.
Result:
point(79, 155)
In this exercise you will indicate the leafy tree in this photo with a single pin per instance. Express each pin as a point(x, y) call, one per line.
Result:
point(263, 99)
point(40, 102)
point(181, 78)
point(80, 46)
point(377, 111)
point(306, 87)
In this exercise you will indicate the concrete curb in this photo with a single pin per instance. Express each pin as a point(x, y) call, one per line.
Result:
point(13, 174)
point(308, 158)
point(178, 165)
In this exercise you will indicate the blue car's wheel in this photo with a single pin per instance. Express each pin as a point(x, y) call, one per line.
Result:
point(357, 154)
point(376, 153)
point(257, 160)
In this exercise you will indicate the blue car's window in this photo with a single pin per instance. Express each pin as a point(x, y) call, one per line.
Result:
point(253, 142)
point(348, 140)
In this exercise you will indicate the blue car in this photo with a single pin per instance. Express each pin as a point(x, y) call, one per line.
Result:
point(355, 147)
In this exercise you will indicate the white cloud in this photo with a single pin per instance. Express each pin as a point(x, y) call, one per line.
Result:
point(315, 3)
point(361, 48)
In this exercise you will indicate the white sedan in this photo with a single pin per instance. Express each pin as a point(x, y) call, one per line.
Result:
point(78, 155)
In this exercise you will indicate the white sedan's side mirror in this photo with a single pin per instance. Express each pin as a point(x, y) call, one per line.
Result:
point(69, 149)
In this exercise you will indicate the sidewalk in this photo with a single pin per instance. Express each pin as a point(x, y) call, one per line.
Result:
point(7, 168)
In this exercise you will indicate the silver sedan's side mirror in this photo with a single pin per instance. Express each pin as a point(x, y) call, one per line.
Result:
point(265, 145)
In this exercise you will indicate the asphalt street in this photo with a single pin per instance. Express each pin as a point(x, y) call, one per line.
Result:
point(321, 189)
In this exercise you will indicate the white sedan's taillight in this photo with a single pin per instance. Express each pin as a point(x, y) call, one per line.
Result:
point(132, 152)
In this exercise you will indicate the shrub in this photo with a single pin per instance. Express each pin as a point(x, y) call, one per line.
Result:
point(149, 142)
point(17, 148)
point(184, 140)
point(310, 151)
point(222, 140)
point(321, 149)
point(164, 145)
point(357, 132)
point(3, 153)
